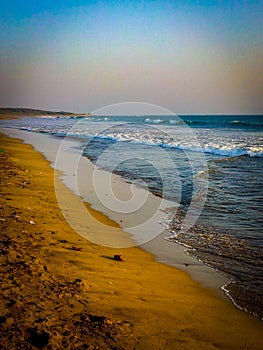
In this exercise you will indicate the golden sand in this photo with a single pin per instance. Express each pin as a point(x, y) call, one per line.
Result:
point(59, 298)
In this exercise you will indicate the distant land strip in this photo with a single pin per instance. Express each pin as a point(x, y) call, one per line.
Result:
point(18, 112)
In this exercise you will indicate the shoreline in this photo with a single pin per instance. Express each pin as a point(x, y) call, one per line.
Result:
point(161, 306)
point(79, 181)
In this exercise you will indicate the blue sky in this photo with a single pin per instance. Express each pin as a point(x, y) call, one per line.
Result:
point(187, 56)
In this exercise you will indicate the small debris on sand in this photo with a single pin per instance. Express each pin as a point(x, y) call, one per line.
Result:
point(78, 249)
point(118, 257)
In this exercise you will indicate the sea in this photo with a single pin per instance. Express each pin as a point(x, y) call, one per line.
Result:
point(210, 166)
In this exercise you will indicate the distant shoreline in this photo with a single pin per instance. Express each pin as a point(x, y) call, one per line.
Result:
point(16, 112)
point(22, 112)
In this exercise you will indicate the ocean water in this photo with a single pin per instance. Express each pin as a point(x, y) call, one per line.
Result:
point(211, 165)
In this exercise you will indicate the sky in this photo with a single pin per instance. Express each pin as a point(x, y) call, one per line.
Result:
point(187, 56)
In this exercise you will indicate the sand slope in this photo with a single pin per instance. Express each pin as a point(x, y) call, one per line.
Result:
point(54, 297)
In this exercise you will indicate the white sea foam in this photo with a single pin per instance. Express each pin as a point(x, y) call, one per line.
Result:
point(172, 121)
point(174, 135)
point(217, 145)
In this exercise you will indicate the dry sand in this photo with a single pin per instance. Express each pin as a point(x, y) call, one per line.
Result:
point(54, 297)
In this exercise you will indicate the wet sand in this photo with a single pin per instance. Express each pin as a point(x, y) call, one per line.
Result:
point(53, 296)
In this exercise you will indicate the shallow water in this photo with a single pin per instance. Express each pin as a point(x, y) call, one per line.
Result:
point(236, 258)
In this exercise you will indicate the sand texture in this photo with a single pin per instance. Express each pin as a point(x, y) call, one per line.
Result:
point(56, 297)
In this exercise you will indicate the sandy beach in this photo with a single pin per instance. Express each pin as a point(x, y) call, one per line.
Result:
point(55, 296)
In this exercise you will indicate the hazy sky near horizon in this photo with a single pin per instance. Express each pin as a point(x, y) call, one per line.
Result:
point(187, 56)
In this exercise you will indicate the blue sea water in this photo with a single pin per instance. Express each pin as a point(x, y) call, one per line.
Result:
point(171, 156)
